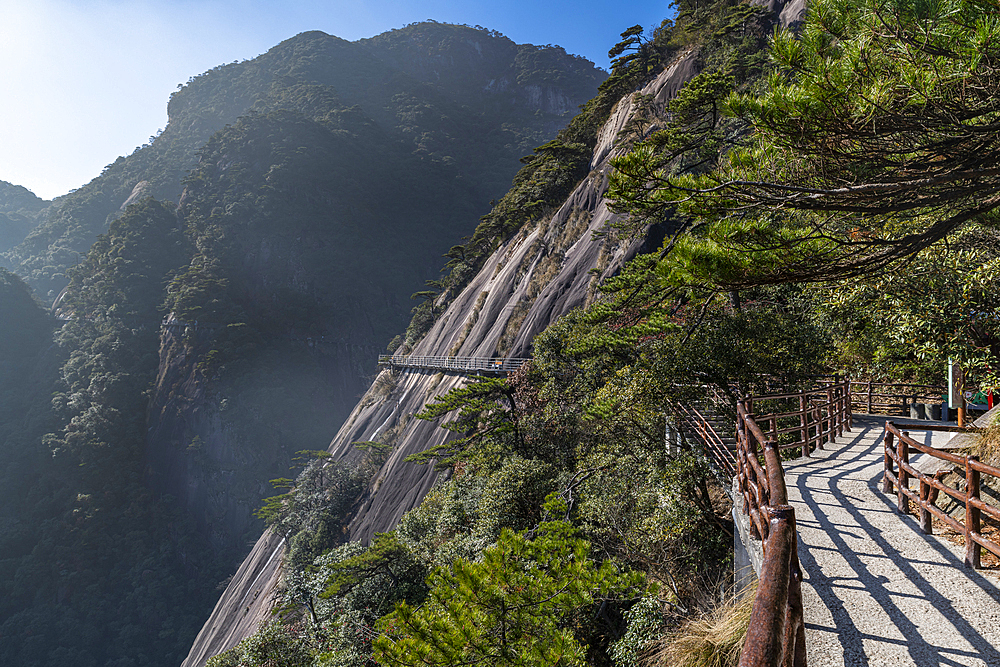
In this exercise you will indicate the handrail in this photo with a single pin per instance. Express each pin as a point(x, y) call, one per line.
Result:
point(716, 448)
point(868, 397)
point(930, 486)
point(823, 415)
point(776, 634)
point(460, 364)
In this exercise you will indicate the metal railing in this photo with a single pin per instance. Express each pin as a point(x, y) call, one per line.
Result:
point(694, 422)
point(776, 634)
point(930, 486)
point(454, 364)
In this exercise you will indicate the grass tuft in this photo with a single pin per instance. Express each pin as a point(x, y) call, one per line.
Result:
point(988, 447)
point(714, 640)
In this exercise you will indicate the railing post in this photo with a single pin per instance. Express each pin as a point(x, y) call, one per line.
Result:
point(777, 494)
point(773, 636)
point(869, 396)
point(925, 514)
point(832, 436)
point(887, 468)
point(903, 454)
point(849, 404)
point(973, 552)
point(803, 424)
point(838, 392)
point(795, 627)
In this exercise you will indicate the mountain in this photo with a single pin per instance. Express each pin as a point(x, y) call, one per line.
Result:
point(222, 294)
point(541, 253)
point(542, 272)
point(455, 95)
point(19, 211)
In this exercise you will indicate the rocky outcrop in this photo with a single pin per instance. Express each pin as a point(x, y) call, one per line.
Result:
point(537, 276)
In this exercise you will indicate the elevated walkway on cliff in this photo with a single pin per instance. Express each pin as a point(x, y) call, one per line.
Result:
point(457, 365)
point(876, 590)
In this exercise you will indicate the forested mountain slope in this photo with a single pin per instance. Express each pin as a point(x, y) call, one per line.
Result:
point(137, 455)
point(539, 274)
point(453, 94)
point(535, 258)
point(19, 210)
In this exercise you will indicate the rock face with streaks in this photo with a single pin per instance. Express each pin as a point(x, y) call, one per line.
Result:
point(314, 218)
point(541, 273)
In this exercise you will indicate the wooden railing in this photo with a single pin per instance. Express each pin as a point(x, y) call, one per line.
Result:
point(897, 446)
point(455, 364)
point(776, 634)
point(891, 398)
point(815, 416)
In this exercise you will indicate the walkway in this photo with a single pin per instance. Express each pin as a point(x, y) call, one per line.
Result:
point(876, 590)
point(459, 365)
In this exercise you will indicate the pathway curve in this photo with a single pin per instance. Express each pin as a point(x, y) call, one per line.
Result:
point(876, 590)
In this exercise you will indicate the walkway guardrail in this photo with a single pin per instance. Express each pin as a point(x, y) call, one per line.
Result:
point(898, 472)
point(714, 443)
point(776, 634)
point(892, 397)
point(815, 416)
point(454, 364)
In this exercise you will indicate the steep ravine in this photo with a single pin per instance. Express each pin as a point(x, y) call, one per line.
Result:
point(529, 282)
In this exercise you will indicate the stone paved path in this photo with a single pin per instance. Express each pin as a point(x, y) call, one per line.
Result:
point(876, 590)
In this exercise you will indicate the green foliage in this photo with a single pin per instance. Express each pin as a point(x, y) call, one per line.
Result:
point(517, 606)
point(486, 411)
point(311, 513)
point(871, 141)
point(644, 621)
point(907, 324)
point(91, 558)
point(274, 646)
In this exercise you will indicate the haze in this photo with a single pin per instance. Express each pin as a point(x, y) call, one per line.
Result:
point(84, 82)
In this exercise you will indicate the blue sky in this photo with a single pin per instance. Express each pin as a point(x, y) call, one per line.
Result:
point(85, 81)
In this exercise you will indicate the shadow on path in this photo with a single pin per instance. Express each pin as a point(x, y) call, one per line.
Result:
point(889, 589)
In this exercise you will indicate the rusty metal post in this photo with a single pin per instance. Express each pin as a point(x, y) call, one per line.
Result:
point(766, 640)
point(973, 552)
point(903, 454)
point(849, 404)
point(777, 493)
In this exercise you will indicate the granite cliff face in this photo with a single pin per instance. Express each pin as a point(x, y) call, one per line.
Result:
point(312, 219)
point(541, 273)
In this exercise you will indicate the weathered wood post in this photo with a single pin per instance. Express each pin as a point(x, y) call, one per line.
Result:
point(849, 404)
point(831, 423)
point(925, 514)
point(903, 454)
point(887, 449)
point(973, 552)
point(869, 396)
point(803, 424)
